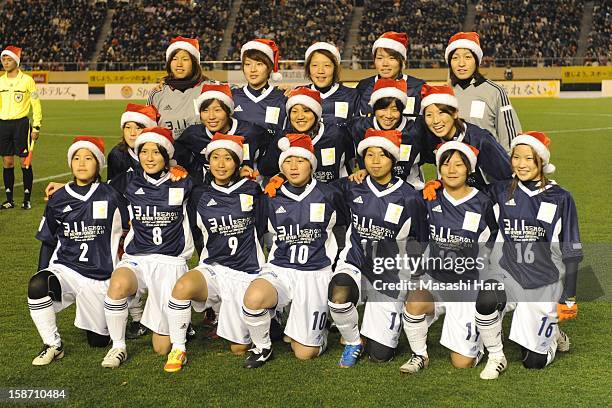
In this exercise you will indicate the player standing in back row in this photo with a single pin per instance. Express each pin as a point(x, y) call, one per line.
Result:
point(18, 92)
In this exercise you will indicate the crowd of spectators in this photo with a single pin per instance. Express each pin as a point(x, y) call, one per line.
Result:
point(529, 32)
point(63, 32)
point(599, 51)
point(293, 24)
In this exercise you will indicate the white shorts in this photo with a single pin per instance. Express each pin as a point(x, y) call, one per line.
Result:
point(307, 293)
point(459, 333)
point(382, 315)
point(156, 274)
point(87, 293)
point(226, 287)
point(534, 324)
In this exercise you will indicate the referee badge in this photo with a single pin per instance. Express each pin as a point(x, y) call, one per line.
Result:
point(18, 97)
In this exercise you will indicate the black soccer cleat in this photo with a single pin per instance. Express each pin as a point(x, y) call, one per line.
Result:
point(7, 205)
point(257, 358)
point(135, 330)
point(26, 205)
point(191, 332)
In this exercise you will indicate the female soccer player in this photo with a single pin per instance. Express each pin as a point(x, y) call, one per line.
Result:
point(441, 118)
point(156, 248)
point(537, 255)
point(123, 157)
point(174, 99)
point(229, 213)
point(322, 67)
point(80, 233)
point(258, 102)
point(481, 101)
point(461, 221)
point(389, 52)
point(386, 217)
point(216, 107)
point(301, 216)
point(334, 149)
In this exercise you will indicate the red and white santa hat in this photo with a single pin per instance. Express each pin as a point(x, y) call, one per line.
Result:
point(13, 52)
point(297, 144)
point(389, 140)
point(221, 92)
point(94, 144)
point(311, 98)
point(191, 45)
point(146, 115)
point(233, 143)
point(469, 40)
point(384, 88)
point(468, 150)
point(158, 135)
point(269, 48)
point(443, 94)
point(540, 142)
point(394, 41)
point(323, 46)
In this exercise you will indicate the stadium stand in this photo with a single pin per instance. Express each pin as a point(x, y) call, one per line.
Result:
point(599, 51)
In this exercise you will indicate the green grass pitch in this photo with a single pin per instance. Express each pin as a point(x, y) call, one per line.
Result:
point(581, 130)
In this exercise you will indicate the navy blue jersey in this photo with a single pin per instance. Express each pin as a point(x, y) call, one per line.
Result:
point(408, 166)
point(333, 147)
point(266, 109)
point(339, 103)
point(85, 229)
point(458, 230)
point(493, 162)
point(189, 148)
point(365, 87)
point(227, 218)
point(539, 230)
point(384, 219)
point(119, 161)
point(301, 226)
point(158, 213)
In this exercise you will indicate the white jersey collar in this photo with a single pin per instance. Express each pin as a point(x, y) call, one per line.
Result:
point(259, 98)
point(93, 188)
point(386, 191)
point(299, 197)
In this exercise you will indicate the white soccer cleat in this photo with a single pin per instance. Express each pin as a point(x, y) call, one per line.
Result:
point(415, 364)
point(495, 366)
point(48, 354)
point(563, 341)
point(114, 358)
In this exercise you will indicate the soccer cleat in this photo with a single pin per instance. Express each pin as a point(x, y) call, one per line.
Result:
point(48, 354)
point(26, 205)
point(7, 205)
point(415, 364)
point(478, 358)
point(495, 366)
point(350, 355)
point(114, 358)
point(257, 358)
point(563, 341)
point(191, 332)
point(176, 360)
point(135, 330)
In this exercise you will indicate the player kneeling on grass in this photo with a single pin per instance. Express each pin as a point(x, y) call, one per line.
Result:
point(460, 220)
point(387, 214)
point(538, 247)
point(226, 210)
point(301, 216)
point(156, 248)
point(81, 233)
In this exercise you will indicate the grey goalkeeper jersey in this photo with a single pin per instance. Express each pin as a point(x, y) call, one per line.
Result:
point(486, 104)
point(177, 109)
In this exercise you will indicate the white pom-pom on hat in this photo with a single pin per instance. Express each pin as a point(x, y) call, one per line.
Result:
point(284, 144)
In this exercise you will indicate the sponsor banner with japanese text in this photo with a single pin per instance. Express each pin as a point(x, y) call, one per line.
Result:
point(101, 78)
point(585, 75)
point(531, 89)
point(63, 91)
point(128, 91)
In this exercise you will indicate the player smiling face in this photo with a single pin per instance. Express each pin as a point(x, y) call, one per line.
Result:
point(454, 171)
point(222, 166)
point(181, 65)
point(387, 65)
point(84, 167)
point(378, 164)
point(440, 122)
point(463, 63)
point(526, 164)
point(388, 117)
point(297, 170)
point(214, 117)
point(321, 70)
point(8, 64)
point(151, 158)
point(302, 118)
point(256, 72)
point(131, 130)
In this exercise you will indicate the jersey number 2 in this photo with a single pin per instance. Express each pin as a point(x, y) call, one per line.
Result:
point(84, 248)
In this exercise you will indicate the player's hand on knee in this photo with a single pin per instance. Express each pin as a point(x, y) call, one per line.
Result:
point(51, 188)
